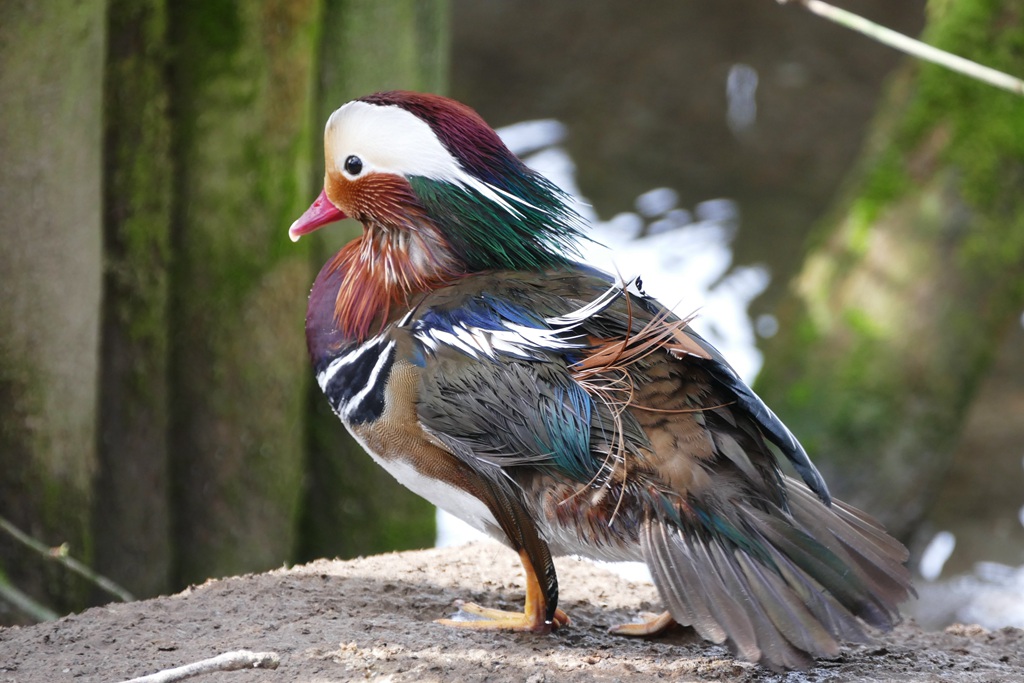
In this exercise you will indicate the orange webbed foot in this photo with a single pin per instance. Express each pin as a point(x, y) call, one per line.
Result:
point(487, 619)
point(532, 619)
point(656, 625)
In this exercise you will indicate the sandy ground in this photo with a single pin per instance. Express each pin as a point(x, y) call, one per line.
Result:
point(371, 619)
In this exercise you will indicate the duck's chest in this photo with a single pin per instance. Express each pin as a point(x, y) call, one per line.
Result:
point(374, 392)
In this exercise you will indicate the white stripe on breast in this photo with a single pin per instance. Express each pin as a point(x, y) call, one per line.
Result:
point(371, 383)
point(325, 377)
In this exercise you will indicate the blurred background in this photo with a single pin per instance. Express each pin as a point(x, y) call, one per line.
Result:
point(849, 222)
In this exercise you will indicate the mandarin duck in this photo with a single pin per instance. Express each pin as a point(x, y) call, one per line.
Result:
point(561, 411)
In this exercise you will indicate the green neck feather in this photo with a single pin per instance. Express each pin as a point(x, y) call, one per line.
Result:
point(534, 229)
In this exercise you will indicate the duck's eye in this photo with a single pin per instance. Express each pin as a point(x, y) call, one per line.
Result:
point(353, 165)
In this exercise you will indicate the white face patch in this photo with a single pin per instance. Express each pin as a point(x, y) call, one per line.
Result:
point(389, 139)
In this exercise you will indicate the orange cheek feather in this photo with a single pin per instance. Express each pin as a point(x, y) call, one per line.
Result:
point(381, 197)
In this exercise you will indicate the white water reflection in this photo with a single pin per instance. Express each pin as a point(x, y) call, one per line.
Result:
point(935, 555)
point(741, 98)
point(991, 596)
point(659, 201)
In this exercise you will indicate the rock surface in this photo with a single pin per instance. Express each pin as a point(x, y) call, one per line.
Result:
point(371, 618)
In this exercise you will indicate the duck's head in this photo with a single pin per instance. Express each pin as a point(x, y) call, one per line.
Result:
point(421, 169)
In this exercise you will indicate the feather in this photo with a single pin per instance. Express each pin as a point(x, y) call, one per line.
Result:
point(878, 564)
point(802, 634)
point(723, 605)
point(825, 606)
point(669, 583)
point(676, 577)
point(774, 429)
point(765, 638)
point(728, 446)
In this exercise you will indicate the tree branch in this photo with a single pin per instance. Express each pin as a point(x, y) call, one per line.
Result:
point(911, 46)
point(24, 603)
point(60, 554)
point(229, 661)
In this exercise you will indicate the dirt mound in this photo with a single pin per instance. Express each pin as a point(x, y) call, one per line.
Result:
point(371, 618)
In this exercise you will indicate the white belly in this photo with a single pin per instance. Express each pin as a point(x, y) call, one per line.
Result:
point(451, 499)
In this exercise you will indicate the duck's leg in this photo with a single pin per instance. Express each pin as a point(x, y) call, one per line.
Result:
point(534, 616)
point(540, 613)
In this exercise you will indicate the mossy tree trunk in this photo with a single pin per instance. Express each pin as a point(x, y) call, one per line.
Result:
point(353, 507)
point(909, 287)
point(133, 514)
point(242, 92)
point(195, 156)
point(51, 75)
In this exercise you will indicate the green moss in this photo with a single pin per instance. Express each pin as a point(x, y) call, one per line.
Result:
point(246, 145)
point(138, 182)
point(863, 324)
point(240, 374)
point(887, 181)
point(987, 145)
point(986, 134)
point(215, 31)
point(50, 108)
